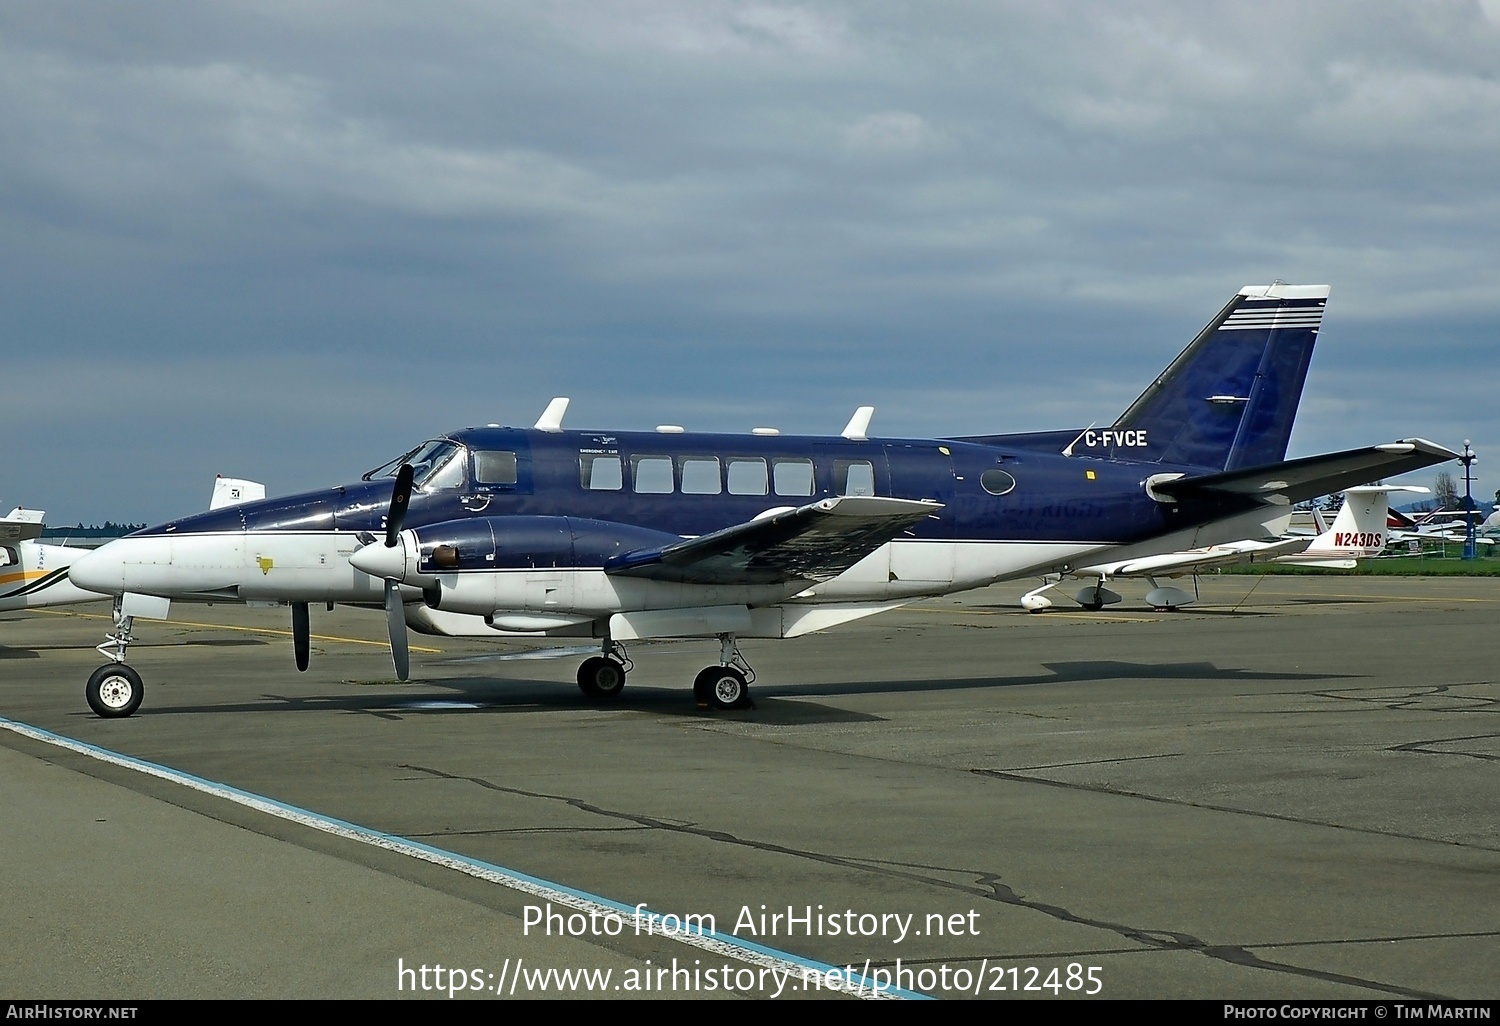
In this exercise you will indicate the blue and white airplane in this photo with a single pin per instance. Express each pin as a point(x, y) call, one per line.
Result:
point(620, 536)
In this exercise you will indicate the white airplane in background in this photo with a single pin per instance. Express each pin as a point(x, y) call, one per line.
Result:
point(33, 574)
point(1440, 527)
point(1357, 531)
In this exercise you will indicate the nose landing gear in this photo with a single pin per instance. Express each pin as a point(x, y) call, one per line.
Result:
point(115, 690)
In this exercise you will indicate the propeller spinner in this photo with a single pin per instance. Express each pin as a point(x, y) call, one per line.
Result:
point(388, 561)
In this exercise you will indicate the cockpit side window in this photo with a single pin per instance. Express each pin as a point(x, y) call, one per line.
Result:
point(495, 467)
point(438, 467)
point(9, 556)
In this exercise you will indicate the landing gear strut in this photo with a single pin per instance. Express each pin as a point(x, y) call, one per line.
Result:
point(726, 686)
point(115, 690)
point(603, 676)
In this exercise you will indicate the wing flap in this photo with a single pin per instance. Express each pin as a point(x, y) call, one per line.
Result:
point(816, 542)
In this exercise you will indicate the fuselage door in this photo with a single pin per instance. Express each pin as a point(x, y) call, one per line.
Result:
point(851, 469)
point(497, 470)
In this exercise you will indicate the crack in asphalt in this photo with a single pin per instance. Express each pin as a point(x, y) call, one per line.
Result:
point(1414, 698)
point(986, 885)
point(1120, 792)
point(1422, 747)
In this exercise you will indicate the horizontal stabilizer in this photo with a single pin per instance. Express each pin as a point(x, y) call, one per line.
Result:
point(21, 525)
point(1307, 478)
point(816, 542)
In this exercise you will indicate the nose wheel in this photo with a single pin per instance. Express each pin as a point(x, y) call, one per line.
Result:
point(114, 691)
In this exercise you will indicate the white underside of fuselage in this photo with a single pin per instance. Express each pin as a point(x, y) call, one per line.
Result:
point(314, 567)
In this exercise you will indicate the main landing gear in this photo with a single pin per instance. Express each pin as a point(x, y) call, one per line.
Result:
point(115, 690)
point(603, 676)
point(721, 687)
point(726, 686)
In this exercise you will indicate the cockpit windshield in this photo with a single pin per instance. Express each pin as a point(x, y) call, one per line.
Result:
point(437, 464)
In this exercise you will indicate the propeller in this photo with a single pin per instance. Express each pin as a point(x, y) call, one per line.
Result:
point(400, 500)
point(301, 635)
point(395, 622)
point(395, 614)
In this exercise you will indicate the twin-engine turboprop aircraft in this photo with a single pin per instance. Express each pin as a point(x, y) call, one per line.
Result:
point(632, 535)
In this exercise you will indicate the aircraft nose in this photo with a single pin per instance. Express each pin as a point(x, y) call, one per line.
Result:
point(381, 562)
point(102, 570)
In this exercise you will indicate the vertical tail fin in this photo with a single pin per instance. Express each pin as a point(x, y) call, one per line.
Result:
point(1229, 399)
point(1359, 529)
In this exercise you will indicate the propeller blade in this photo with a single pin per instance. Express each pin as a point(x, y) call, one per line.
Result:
point(301, 635)
point(400, 499)
point(395, 619)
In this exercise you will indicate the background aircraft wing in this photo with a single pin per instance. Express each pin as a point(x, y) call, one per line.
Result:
point(816, 542)
point(1193, 560)
point(1307, 478)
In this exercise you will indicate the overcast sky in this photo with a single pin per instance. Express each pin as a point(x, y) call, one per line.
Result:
point(287, 241)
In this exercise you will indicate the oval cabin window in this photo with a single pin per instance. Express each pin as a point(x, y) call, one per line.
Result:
point(997, 482)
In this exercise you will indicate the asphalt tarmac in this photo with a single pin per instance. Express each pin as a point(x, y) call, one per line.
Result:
point(1288, 791)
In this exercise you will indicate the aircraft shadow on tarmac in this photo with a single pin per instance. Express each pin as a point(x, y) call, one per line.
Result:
point(468, 695)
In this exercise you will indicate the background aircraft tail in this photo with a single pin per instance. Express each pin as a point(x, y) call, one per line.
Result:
point(1359, 530)
point(1228, 401)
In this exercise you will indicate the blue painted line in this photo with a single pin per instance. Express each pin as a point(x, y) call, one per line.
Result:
point(855, 984)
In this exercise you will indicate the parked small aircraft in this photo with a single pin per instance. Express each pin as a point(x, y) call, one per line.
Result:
point(1438, 527)
point(631, 535)
point(1358, 531)
point(33, 574)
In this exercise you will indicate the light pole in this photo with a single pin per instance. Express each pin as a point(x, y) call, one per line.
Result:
point(1468, 459)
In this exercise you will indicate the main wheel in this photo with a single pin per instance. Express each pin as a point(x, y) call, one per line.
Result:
point(1093, 606)
point(703, 684)
point(114, 690)
point(727, 688)
point(599, 677)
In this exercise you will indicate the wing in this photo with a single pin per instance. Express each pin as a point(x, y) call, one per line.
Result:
point(1193, 560)
point(1299, 480)
point(816, 542)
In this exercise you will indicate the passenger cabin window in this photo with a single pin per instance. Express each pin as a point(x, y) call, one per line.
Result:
point(854, 477)
point(747, 477)
point(600, 473)
point(700, 475)
point(9, 556)
point(652, 474)
point(793, 477)
point(997, 482)
point(496, 467)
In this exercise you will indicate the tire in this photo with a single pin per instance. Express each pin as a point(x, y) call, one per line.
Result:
point(727, 688)
point(114, 691)
point(702, 684)
point(601, 678)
